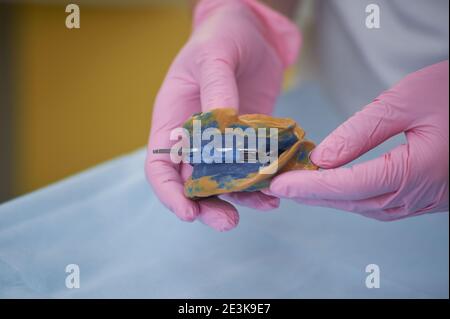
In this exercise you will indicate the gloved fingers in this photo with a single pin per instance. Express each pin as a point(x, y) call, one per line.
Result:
point(374, 208)
point(267, 192)
point(360, 133)
point(167, 183)
point(176, 101)
point(168, 186)
point(259, 89)
point(255, 200)
point(218, 214)
point(185, 171)
point(176, 96)
point(217, 82)
point(365, 180)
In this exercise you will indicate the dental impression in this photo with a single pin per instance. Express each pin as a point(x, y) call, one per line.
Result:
point(235, 153)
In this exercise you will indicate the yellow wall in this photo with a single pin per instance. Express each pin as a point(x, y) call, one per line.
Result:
point(84, 96)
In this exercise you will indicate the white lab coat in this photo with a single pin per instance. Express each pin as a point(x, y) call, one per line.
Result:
point(356, 63)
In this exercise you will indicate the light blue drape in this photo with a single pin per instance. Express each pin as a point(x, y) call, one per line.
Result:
point(108, 222)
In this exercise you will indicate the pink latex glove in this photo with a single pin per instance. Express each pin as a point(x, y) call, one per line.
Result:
point(235, 57)
point(410, 180)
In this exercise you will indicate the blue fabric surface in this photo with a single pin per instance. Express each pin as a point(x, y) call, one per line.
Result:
point(108, 221)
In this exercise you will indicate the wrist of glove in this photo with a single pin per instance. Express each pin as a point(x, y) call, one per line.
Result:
point(282, 34)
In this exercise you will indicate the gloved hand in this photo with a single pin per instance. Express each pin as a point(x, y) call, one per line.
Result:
point(235, 57)
point(411, 179)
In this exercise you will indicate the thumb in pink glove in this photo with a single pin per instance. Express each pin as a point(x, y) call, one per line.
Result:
point(235, 57)
point(410, 180)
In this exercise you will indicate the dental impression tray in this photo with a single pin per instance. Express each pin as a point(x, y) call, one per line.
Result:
point(245, 173)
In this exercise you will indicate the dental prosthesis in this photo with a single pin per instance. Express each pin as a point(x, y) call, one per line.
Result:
point(279, 143)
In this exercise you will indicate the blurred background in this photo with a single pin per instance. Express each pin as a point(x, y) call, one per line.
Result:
point(72, 98)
